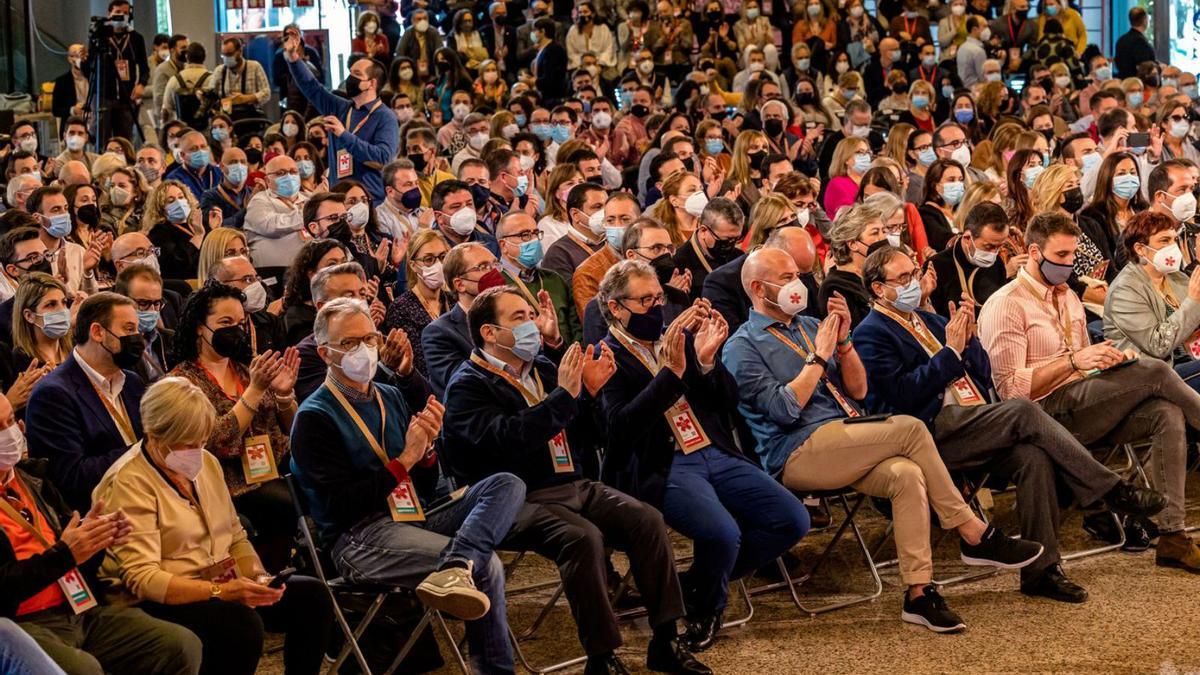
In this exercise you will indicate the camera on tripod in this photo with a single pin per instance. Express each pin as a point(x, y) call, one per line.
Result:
point(101, 28)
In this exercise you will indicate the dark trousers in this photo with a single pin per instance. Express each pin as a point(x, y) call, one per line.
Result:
point(1142, 401)
point(738, 517)
point(232, 633)
point(572, 524)
point(110, 639)
point(118, 120)
point(1190, 373)
point(269, 509)
point(1019, 440)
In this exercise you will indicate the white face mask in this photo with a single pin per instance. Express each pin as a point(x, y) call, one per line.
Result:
point(150, 261)
point(893, 240)
point(186, 462)
point(981, 258)
point(802, 217)
point(695, 203)
point(12, 446)
point(1167, 259)
point(460, 111)
point(463, 221)
point(256, 297)
point(526, 162)
point(962, 155)
point(601, 120)
point(358, 214)
point(290, 129)
point(596, 222)
point(432, 276)
point(477, 141)
point(359, 364)
point(1184, 207)
point(792, 297)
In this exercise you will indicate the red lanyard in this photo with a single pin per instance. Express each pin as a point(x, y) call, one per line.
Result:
point(1013, 34)
point(932, 74)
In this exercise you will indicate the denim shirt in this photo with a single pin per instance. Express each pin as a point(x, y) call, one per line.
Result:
point(762, 365)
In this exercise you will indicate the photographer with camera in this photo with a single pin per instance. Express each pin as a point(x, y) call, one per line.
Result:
point(117, 63)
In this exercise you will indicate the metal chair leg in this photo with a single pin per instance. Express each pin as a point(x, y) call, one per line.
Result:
point(742, 621)
point(545, 669)
point(352, 643)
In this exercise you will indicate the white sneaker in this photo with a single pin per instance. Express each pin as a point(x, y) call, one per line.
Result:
point(453, 592)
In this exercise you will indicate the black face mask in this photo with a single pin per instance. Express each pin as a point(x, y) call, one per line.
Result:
point(715, 16)
point(723, 250)
point(647, 327)
point(1073, 200)
point(806, 98)
point(664, 267)
point(44, 267)
point(354, 86)
point(1049, 134)
point(254, 155)
point(640, 111)
point(479, 195)
point(757, 159)
point(899, 88)
point(88, 214)
point(232, 342)
point(132, 348)
point(720, 115)
point(773, 127)
point(1152, 81)
point(418, 160)
point(585, 20)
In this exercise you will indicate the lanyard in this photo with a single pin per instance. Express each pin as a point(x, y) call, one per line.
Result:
point(529, 295)
point(910, 28)
point(120, 417)
point(350, 111)
point(700, 254)
point(379, 446)
point(638, 352)
point(234, 202)
point(838, 396)
point(932, 74)
point(532, 398)
point(577, 237)
point(17, 518)
point(963, 390)
point(968, 284)
point(1013, 34)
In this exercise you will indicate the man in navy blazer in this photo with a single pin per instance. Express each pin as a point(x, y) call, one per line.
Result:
point(921, 364)
point(671, 443)
point(723, 286)
point(85, 414)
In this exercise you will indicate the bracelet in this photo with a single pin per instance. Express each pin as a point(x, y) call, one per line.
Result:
point(1071, 360)
point(249, 407)
point(289, 397)
point(849, 340)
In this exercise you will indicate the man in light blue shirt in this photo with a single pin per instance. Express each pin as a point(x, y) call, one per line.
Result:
point(971, 53)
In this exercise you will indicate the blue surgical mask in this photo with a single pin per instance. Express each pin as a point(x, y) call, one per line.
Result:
point(306, 168)
point(1103, 73)
point(1126, 186)
point(198, 159)
point(929, 61)
point(862, 162)
point(236, 173)
point(220, 134)
point(614, 235)
point(519, 120)
point(1090, 161)
point(947, 91)
point(522, 186)
point(1052, 10)
point(178, 210)
point(531, 253)
point(147, 321)
point(964, 116)
point(714, 146)
point(542, 131)
point(953, 192)
point(626, 99)
point(908, 298)
point(527, 341)
point(287, 185)
point(752, 13)
point(803, 64)
point(59, 225)
point(927, 157)
point(1045, 160)
point(1031, 174)
point(560, 134)
point(1135, 99)
point(920, 101)
point(56, 324)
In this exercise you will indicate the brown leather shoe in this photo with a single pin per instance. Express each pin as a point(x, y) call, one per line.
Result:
point(1178, 550)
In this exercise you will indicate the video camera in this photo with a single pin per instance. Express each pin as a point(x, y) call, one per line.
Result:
point(101, 28)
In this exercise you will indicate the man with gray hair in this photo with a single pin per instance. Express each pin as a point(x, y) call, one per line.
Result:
point(850, 239)
point(714, 243)
point(469, 269)
point(196, 168)
point(364, 457)
point(266, 329)
point(19, 189)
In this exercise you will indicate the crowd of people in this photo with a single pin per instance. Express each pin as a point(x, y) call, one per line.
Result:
point(554, 277)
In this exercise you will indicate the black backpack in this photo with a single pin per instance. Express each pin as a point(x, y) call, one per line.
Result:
point(191, 103)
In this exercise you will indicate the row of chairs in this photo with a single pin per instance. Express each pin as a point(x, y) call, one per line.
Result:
point(847, 501)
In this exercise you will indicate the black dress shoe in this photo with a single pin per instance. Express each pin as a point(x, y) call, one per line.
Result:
point(671, 656)
point(702, 633)
point(1054, 584)
point(608, 664)
point(1128, 500)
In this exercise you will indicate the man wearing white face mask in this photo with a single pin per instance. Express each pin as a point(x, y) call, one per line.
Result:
point(72, 87)
point(266, 329)
point(950, 142)
point(136, 248)
point(475, 127)
point(75, 137)
point(1171, 188)
point(585, 210)
point(972, 266)
point(455, 216)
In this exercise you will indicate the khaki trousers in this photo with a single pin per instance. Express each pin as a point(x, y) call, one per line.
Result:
point(895, 458)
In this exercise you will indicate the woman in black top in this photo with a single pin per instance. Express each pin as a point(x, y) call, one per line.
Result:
point(175, 225)
point(1103, 219)
point(944, 189)
point(850, 239)
point(426, 298)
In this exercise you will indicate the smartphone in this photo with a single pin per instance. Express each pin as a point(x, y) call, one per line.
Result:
point(280, 579)
point(866, 418)
point(1126, 362)
point(1137, 140)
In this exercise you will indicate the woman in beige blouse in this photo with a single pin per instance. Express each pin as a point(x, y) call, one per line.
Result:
point(187, 559)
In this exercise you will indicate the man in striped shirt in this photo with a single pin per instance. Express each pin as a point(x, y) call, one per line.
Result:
point(1035, 332)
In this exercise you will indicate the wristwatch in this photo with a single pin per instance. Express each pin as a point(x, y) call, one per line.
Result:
point(813, 358)
point(214, 591)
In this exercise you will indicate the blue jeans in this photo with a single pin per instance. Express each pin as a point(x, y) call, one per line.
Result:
point(20, 654)
point(1190, 373)
point(385, 551)
point(738, 517)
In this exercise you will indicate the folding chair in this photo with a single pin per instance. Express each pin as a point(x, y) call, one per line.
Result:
point(376, 594)
point(841, 496)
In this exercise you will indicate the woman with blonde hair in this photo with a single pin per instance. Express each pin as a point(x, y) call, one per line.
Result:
point(504, 125)
point(555, 223)
point(489, 89)
point(849, 87)
point(896, 147)
point(746, 168)
point(426, 298)
point(682, 202)
point(976, 193)
point(851, 159)
point(122, 199)
point(175, 224)
point(41, 323)
point(1135, 95)
point(221, 243)
point(1057, 189)
point(990, 99)
point(1062, 95)
point(190, 560)
point(770, 213)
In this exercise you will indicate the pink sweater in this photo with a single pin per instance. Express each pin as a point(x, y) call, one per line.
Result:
point(840, 192)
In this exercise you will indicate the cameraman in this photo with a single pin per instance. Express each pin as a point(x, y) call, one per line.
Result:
point(124, 72)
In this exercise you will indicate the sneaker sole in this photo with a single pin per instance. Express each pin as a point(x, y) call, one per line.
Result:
point(922, 621)
point(981, 562)
point(458, 603)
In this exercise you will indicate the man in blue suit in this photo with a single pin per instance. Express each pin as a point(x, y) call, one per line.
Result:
point(85, 413)
point(723, 286)
point(921, 364)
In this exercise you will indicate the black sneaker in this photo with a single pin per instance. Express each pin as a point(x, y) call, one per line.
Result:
point(930, 610)
point(996, 550)
point(1138, 534)
point(1102, 526)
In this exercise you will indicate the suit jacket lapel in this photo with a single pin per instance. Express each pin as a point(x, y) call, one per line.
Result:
point(90, 399)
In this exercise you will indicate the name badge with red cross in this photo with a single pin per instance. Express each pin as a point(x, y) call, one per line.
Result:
point(1193, 345)
point(79, 596)
point(403, 503)
point(258, 462)
point(965, 392)
point(688, 433)
point(560, 453)
point(122, 70)
point(345, 164)
point(219, 573)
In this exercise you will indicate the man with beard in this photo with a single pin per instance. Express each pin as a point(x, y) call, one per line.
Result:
point(714, 242)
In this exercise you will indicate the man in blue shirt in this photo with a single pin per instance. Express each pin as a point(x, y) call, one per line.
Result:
point(233, 193)
point(196, 169)
point(800, 382)
point(361, 132)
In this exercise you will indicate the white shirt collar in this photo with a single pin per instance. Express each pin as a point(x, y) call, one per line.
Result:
point(112, 388)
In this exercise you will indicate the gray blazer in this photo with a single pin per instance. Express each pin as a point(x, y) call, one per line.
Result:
point(1135, 315)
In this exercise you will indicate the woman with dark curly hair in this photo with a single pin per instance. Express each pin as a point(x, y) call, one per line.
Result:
point(298, 310)
point(255, 404)
point(360, 234)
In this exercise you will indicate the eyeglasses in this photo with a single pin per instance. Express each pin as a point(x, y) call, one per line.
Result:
point(248, 279)
point(37, 258)
point(331, 218)
point(648, 301)
point(922, 148)
point(143, 253)
point(658, 249)
point(484, 267)
point(904, 279)
point(14, 500)
point(954, 145)
point(892, 229)
point(277, 174)
point(427, 260)
point(148, 305)
point(351, 343)
point(1178, 118)
point(524, 235)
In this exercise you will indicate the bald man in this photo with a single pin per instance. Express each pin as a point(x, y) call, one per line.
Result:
point(136, 248)
point(196, 169)
point(234, 191)
point(799, 382)
point(74, 172)
point(723, 286)
point(887, 58)
point(274, 222)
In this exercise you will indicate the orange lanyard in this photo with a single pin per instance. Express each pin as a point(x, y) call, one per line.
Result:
point(532, 398)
